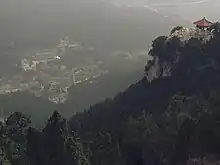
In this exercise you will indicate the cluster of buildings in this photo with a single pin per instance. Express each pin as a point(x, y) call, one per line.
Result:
point(29, 65)
point(42, 74)
point(66, 43)
point(31, 62)
point(47, 73)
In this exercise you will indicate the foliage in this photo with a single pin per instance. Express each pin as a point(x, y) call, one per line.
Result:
point(38, 108)
point(22, 144)
point(176, 29)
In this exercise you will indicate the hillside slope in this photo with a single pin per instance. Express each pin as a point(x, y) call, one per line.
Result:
point(169, 116)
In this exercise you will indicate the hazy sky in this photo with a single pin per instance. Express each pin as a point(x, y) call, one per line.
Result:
point(186, 9)
point(27, 15)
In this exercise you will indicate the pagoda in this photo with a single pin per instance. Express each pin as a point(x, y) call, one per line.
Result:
point(203, 23)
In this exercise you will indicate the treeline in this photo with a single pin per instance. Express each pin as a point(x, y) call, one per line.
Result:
point(22, 144)
point(38, 108)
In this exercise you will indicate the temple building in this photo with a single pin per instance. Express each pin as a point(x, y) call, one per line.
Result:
point(203, 23)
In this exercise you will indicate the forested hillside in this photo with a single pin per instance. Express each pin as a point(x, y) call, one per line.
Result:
point(170, 117)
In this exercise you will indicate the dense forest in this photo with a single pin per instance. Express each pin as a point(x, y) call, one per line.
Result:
point(170, 117)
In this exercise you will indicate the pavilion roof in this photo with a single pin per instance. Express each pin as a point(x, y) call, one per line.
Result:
point(203, 22)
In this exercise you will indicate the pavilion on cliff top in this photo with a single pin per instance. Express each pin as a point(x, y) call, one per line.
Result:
point(203, 23)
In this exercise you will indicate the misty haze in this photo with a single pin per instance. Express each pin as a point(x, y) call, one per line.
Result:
point(109, 82)
point(73, 51)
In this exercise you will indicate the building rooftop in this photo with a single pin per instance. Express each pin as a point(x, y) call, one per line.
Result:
point(203, 22)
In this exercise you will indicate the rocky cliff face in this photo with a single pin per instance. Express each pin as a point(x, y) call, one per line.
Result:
point(167, 51)
point(185, 34)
